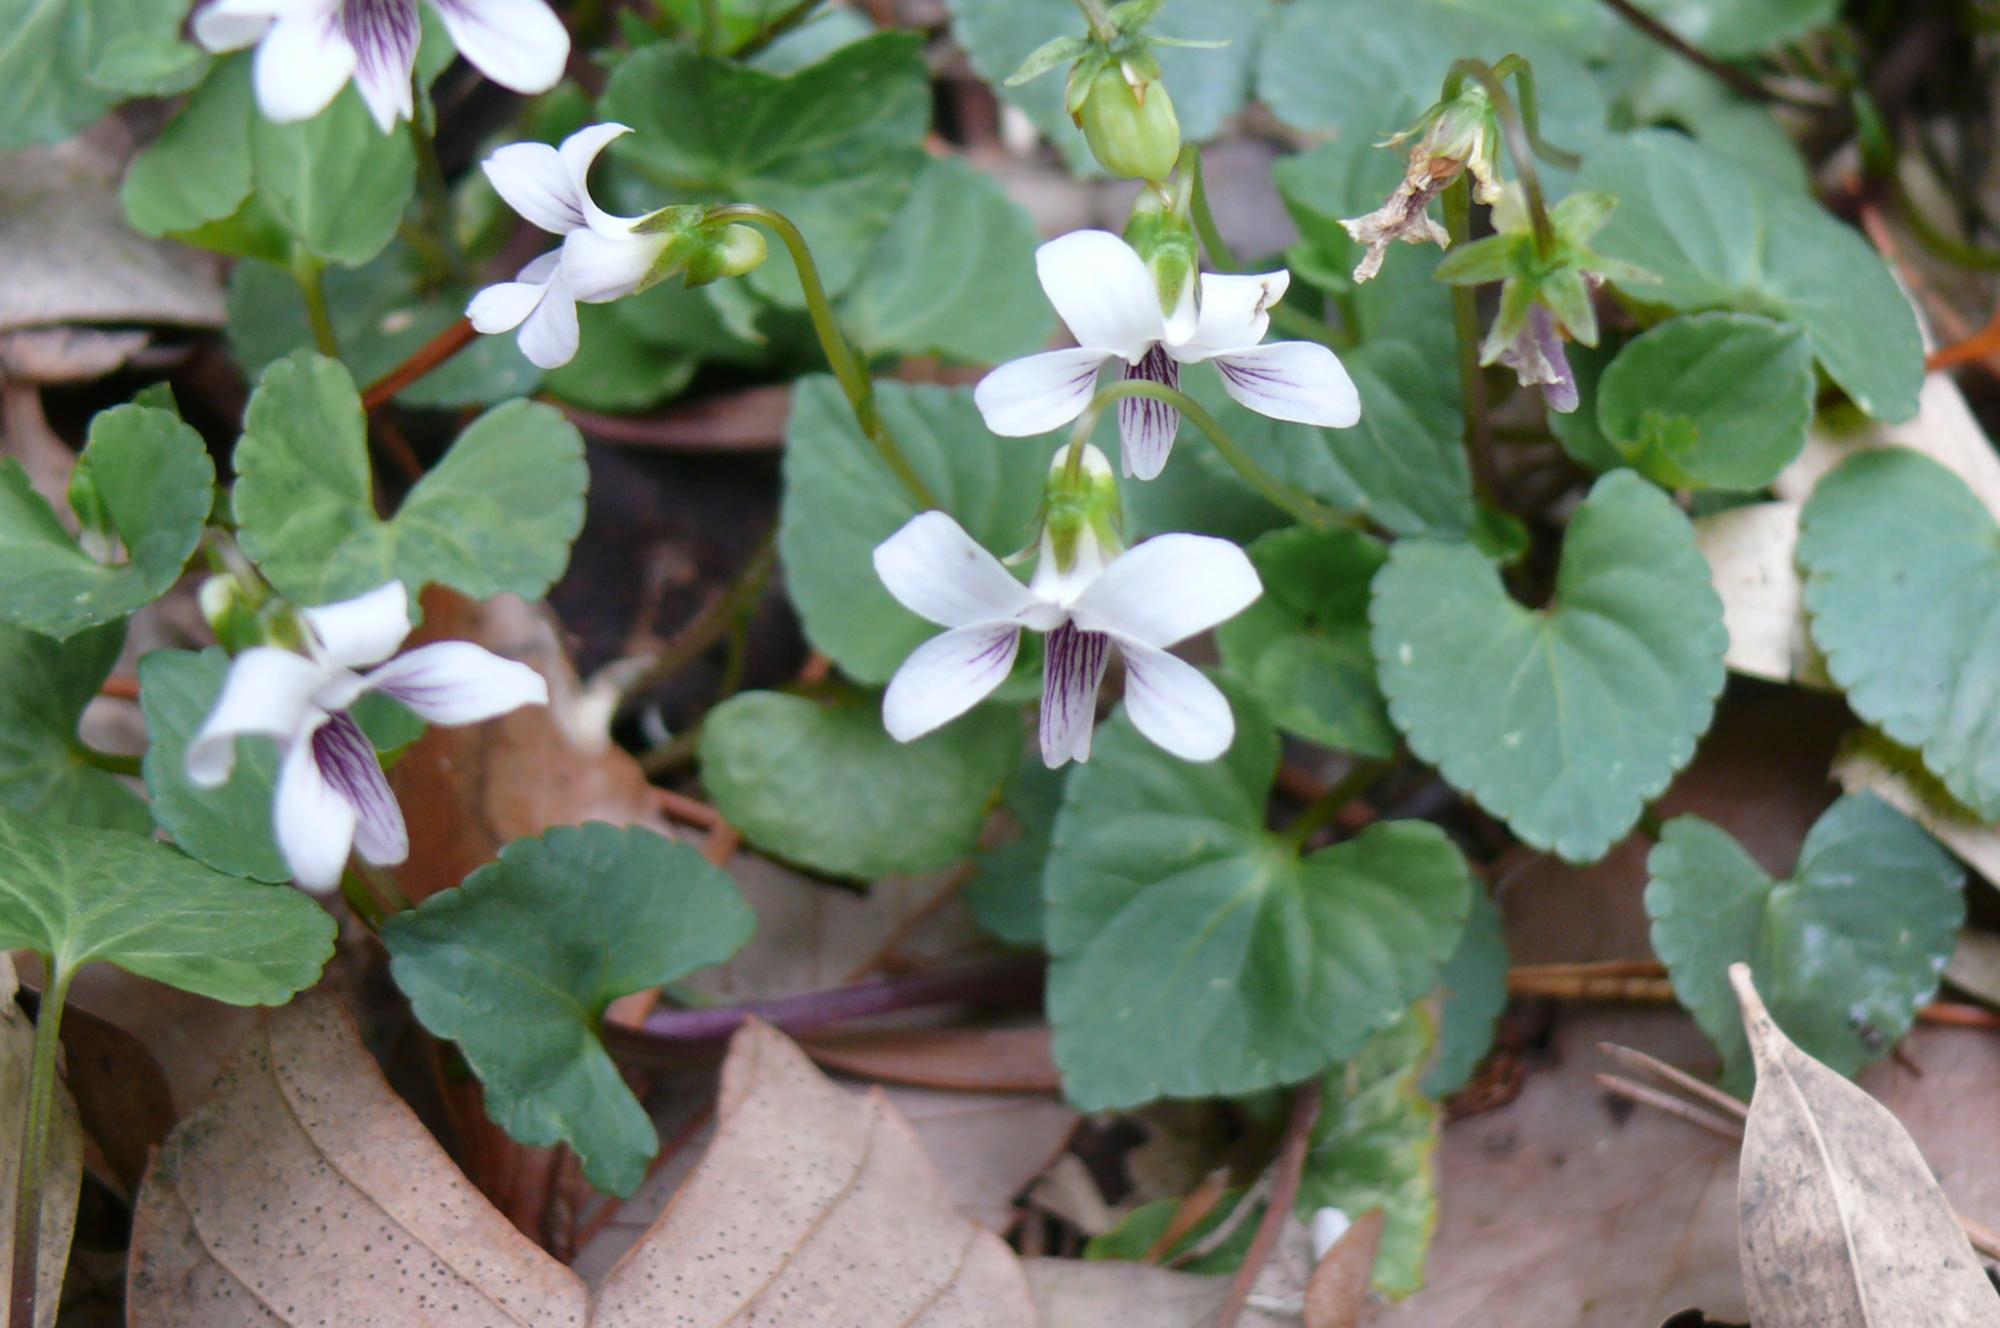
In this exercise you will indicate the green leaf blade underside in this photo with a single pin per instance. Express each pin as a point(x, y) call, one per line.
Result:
point(44, 687)
point(1564, 721)
point(518, 964)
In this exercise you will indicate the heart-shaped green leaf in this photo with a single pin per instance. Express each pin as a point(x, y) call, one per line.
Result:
point(1710, 401)
point(1717, 237)
point(496, 515)
point(64, 63)
point(335, 183)
point(83, 896)
point(840, 501)
point(1196, 954)
point(1472, 993)
point(157, 483)
point(1303, 646)
point(1563, 721)
point(1845, 949)
point(826, 787)
point(835, 147)
point(44, 686)
point(518, 964)
point(1902, 567)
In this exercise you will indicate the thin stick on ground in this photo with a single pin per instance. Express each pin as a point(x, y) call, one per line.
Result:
point(1681, 1079)
point(1701, 1117)
point(1291, 1164)
point(1189, 1214)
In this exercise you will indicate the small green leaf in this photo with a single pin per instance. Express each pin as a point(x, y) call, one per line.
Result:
point(1303, 646)
point(495, 516)
point(1718, 237)
point(44, 687)
point(1710, 401)
point(336, 183)
point(157, 483)
point(840, 501)
point(141, 49)
point(46, 51)
point(1006, 894)
point(229, 828)
point(518, 964)
point(835, 159)
point(1473, 993)
point(945, 278)
point(1844, 949)
point(199, 169)
point(1195, 954)
point(1375, 1146)
point(1133, 1239)
point(84, 896)
point(1902, 566)
point(827, 788)
point(1562, 721)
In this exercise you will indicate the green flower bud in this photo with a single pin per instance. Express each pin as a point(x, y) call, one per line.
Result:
point(1080, 512)
point(1130, 125)
point(1161, 234)
point(729, 252)
point(232, 614)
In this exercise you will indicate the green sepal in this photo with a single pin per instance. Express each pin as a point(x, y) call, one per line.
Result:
point(1056, 51)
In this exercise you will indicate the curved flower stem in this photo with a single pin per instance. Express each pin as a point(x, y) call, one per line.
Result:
point(711, 27)
point(1101, 26)
point(1283, 316)
point(840, 357)
point(1523, 137)
point(1465, 320)
point(439, 243)
point(1329, 804)
point(28, 1194)
point(310, 273)
point(1301, 505)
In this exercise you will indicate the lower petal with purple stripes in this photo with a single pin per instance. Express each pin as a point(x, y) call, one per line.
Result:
point(1146, 427)
point(348, 764)
point(1071, 677)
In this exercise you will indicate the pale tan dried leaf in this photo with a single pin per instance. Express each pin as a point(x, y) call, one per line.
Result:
point(1974, 967)
point(1944, 429)
point(25, 436)
point(1338, 1290)
point(1841, 1219)
point(65, 1159)
point(1750, 559)
point(1073, 1293)
point(1868, 762)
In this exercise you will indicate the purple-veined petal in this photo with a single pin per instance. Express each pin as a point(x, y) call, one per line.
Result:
point(347, 762)
point(550, 334)
point(1177, 708)
point(355, 633)
point(602, 268)
point(1071, 676)
point(268, 691)
point(518, 44)
point(384, 35)
point(313, 821)
point(301, 65)
point(231, 25)
point(531, 179)
point(457, 682)
point(1299, 381)
point(947, 676)
point(1167, 588)
point(1038, 393)
point(1235, 314)
point(1146, 428)
point(505, 305)
point(937, 571)
point(1103, 292)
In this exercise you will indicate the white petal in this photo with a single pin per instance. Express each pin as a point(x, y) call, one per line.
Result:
point(1168, 588)
point(1070, 678)
point(384, 35)
point(602, 268)
point(578, 151)
point(1235, 314)
point(1300, 381)
point(1174, 705)
point(314, 823)
point(518, 44)
point(355, 633)
point(505, 305)
point(1103, 292)
point(347, 764)
point(1146, 428)
point(230, 25)
point(268, 691)
point(1028, 396)
point(550, 335)
point(937, 571)
point(947, 676)
point(457, 682)
point(531, 178)
point(302, 64)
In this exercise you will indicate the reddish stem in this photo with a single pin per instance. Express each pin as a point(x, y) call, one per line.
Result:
point(424, 359)
point(1291, 1165)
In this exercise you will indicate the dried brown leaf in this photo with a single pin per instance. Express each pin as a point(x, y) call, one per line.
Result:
point(1073, 1293)
point(1841, 1219)
point(1338, 1291)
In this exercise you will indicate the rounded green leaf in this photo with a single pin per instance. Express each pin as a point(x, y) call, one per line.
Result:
point(199, 169)
point(335, 183)
point(1902, 567)
point(840, 501)
point(1195, 954)
point(1562, 721)
point(84, 896)
point(496, 515)
point(827, 788)
point(229, 828)
point(1844, 949)
point(44, 687)
point(157, 482)
point(1710, 401)
point(1473, 993)
point(1303, 646)
point(518, 964)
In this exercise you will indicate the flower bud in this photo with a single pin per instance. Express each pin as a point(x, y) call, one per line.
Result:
point(1159, 231)
point(95, 532)
point(730, 251)
point(232, 614)
point(1128, 120)
point(1080, 515)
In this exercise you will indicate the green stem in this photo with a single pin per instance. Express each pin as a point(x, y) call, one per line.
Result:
point(1301, 505)
point(1465, 321)
point(35, 1147)
point(1284, 317)
point(1515, 132)
point(365, 905)
point(1531, 115)
point(112, 762)
point(840, 357)
point(1101, 26)
point(439, 246)
point(310, 273)
point(1328, 804)
point(711, 27)
point(778, 27)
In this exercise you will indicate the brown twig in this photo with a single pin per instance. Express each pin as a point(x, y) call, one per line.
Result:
point(1640, 980)
point(1748, 85)
point(1651, 1065)
point(1191, 1213)
point(1672, 1106)
point(422, 360)
point(1291, 1164)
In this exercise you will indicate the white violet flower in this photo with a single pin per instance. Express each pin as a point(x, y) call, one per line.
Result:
point(601, 259)
point(1153, 595)
point(307, 50)
point(1109, 301)
point(332, 795)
